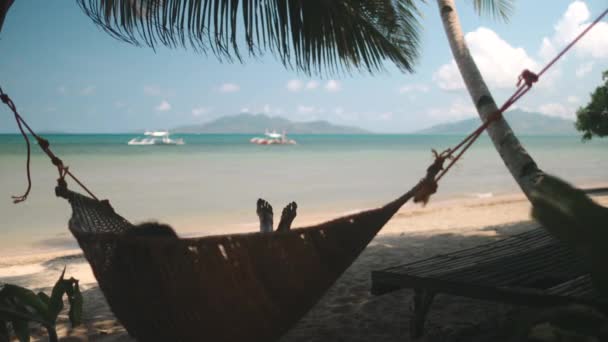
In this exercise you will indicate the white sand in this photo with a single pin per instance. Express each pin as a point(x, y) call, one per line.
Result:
point(348, 312)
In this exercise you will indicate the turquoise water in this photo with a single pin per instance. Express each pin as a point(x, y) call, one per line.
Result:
point(211, 184)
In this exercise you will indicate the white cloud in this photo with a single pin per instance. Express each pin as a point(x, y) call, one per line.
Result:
point(297, 85)
point(294, 85)
point(244, 110)
point(458, 109)
point(576, 18)
point(152, 90)
point(415, 87)
point(199, 111)
point(229, 88)
point(62, 90)
point(312, 84)
point(333, 86)
point(499, 62)
point(558, 110)
point(266, 109)
point(306, 109)
point(163, 106)
point(573, 99)
point(386, 116)
point(338, 110)
point(88, 90)
point(584, 68)
point(119, 104)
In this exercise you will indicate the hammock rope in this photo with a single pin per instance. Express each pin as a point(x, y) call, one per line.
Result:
point(45, 146)
point(524, 83)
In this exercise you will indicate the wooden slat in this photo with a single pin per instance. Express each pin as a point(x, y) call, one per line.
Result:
point(476, 255)
point(530, 268)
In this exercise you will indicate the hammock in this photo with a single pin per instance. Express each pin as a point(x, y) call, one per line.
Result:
point(239, 287)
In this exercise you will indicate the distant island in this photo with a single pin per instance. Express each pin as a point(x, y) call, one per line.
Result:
point(258, 123)
point(522, 123)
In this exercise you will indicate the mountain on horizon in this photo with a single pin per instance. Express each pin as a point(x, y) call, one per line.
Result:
point(523, 123)
point(258, 123)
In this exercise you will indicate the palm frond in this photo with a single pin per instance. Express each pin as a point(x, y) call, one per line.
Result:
point(496, 8)
point(313, 36)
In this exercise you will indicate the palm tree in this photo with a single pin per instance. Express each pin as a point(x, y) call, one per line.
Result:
point(313, 36)
point(521, 165)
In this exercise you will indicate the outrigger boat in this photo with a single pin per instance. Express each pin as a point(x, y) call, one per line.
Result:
point(273, 138)
point(156, 138)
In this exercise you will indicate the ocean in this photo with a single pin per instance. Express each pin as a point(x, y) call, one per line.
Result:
point(210, 185)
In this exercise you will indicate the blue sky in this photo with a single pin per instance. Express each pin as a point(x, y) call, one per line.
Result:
point(65, 74)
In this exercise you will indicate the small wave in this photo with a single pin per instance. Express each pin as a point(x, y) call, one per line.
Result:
point(20, 270)
point(483, 195)
point(65, 259)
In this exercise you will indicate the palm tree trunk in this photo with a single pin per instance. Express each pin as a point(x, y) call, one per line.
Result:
point(3, 10)
point(521, 165)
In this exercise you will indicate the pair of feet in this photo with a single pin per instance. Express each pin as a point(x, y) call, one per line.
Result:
point(264, 211)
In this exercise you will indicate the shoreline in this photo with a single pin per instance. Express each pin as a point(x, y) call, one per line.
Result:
point(189, 227)
point(412, 219)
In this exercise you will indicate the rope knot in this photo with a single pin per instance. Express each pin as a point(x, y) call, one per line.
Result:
point(428, 185)
point(57, 162)
point(527, 77)
point(4, 98)
point(43, 143)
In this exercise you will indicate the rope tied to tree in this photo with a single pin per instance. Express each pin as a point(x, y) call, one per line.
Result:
point(525, 81)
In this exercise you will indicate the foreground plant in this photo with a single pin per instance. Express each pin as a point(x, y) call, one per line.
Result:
point(20, 306)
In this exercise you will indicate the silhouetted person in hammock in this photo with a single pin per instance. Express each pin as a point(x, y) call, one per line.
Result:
point(152, 229)
point(264, 211)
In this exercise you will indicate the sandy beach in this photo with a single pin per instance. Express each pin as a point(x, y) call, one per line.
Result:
point(348, 312)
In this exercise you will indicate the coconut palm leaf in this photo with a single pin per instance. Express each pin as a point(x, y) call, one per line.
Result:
point(496, 8)
point(314, 36)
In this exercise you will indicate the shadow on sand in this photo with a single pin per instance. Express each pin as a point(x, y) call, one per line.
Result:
point(348, 312)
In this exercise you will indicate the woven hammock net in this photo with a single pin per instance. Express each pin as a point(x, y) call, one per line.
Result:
point(240, 287)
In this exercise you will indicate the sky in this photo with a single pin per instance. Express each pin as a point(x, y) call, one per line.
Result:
point(67, 75)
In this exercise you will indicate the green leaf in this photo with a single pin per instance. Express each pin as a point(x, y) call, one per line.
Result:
point(23, 300)
point(76, 302)
point(44, 298)
point(22, 330)
point(56, 300)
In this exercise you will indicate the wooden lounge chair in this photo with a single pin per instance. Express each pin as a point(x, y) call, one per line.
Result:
point(530, 268)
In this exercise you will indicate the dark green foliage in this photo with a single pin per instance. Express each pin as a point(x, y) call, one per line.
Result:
point(592, 119)
point(575, 219)
point(19, 306)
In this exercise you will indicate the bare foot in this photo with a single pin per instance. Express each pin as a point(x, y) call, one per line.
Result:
point(287, 217)
point(265, 214)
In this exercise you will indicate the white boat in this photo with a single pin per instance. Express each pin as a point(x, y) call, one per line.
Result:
point(156, 138)
point(273, 138)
